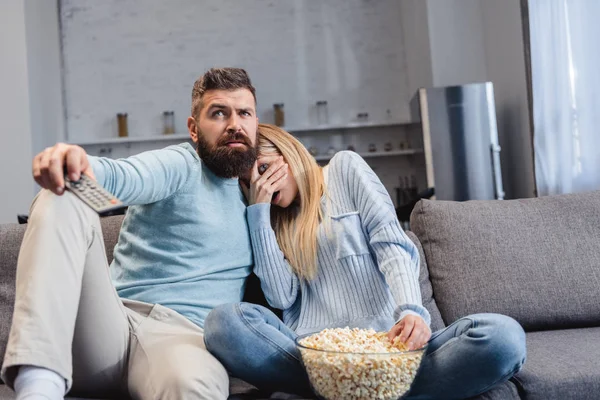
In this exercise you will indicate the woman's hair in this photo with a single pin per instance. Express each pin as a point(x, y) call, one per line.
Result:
point(296, 226)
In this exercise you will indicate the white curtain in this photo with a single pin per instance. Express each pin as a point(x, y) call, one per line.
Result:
point(565, 61)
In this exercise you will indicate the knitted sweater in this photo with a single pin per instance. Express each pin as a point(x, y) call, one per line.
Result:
point(368, 268)
point(184, 243)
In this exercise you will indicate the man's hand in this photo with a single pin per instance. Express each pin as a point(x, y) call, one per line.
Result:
point(411, 330)
point(48, 166)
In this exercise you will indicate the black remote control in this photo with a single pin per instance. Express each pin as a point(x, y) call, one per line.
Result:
point(94, 195)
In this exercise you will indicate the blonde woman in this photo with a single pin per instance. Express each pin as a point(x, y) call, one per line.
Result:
point(330, 252)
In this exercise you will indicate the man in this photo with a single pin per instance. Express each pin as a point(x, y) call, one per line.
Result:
point(183, 249)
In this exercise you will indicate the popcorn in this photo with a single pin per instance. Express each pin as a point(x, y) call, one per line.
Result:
point(358, 364)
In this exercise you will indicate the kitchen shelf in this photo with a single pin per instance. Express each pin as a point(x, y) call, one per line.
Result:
point(185, 136)
point(376, 154)
point(134, 139)
point(351, 125)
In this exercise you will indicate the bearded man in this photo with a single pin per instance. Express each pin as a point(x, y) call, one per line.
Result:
point(136, 328)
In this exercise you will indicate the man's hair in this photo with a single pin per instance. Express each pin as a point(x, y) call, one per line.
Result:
point(219, 79)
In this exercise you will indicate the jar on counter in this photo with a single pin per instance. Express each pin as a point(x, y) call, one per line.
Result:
point(279, 114)
point(122, 124)
point(168, 122)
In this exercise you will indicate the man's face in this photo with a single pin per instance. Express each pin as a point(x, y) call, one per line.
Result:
point(225, 131)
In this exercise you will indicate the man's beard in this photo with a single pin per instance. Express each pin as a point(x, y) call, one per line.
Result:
point(224, 161)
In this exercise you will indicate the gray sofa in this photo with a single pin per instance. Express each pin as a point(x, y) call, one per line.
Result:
point(537, 260)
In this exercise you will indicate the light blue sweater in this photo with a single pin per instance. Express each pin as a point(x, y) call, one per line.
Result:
point(368, 268)
point(184, 241)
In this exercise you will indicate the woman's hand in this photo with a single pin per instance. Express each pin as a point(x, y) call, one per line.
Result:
point(411, 330)
point(266, 182)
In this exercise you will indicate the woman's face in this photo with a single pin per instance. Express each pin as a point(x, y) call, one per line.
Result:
point(287, 190)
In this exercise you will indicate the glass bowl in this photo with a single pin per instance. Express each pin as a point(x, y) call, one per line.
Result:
point(337, 375)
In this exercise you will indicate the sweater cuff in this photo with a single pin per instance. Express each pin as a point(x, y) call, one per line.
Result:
point(412, 309)
point(259, 216)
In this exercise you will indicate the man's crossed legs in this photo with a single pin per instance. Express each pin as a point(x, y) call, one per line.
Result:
point(69, 319)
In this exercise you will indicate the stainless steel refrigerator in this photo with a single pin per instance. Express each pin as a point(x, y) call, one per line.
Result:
point(460, 140)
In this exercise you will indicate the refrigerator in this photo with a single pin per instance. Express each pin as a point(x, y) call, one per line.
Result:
point(460, 141)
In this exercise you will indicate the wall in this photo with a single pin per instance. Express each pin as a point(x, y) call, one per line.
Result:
point(457, 45)
point(505, 64)
point(352, 53)
point(490, 49)
point(31, 105)
point(15, 151)
point(416, 43)
point(482, 40)
point(44, 72)
point(142, 57)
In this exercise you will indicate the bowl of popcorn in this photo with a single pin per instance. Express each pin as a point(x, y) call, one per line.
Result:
point(344, 363)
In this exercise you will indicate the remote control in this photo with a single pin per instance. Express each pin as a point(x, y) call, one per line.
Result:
point(94, 195)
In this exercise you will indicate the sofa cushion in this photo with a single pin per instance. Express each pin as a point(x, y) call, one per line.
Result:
point(561, 364)
point(426, 290)
point(536, 260)
point(11, 236)
point(111, 226)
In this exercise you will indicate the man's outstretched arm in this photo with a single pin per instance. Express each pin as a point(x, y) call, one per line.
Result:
point(141, 179)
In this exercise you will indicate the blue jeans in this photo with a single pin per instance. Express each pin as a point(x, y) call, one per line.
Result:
point(462, 360)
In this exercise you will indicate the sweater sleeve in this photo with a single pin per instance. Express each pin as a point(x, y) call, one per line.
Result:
point(147, 177)
point(278, 282)
point(397, 256)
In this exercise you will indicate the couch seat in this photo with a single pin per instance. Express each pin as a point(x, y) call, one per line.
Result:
point(561, 364)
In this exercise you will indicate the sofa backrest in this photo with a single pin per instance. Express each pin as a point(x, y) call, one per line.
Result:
point(426, 288)
point(11, 236)
point(111, 226)
point(537, 260)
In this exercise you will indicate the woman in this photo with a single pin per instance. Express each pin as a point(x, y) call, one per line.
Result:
point(329, 252)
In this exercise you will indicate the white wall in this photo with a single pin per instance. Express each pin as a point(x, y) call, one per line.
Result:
point(443, 42)
point(31, 105)
point(44, 71)
point(457, 44)
point(416, 43)
point(15, 151)
point(482, 40)
point(142, 57)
